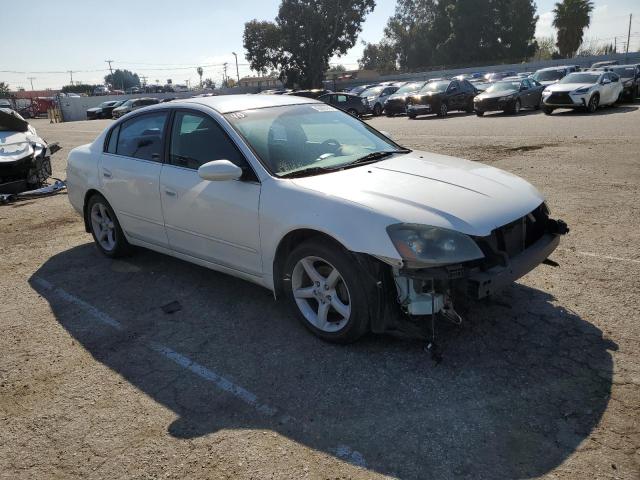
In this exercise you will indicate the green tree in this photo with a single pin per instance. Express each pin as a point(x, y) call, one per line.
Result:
point(4, 90)
point(381, 57)
point(122, 79)
point(208, 83)
point(78, 88)
point(304, 36)
point(571, 18)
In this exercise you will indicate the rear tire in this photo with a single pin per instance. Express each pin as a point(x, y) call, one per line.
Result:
point(327, 291)
point(353, 112)
point(105, 228)
point(411, 115)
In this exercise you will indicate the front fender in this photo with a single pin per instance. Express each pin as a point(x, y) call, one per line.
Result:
point(285, 208)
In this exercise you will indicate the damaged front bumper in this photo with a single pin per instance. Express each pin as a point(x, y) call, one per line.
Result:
point(510, 252)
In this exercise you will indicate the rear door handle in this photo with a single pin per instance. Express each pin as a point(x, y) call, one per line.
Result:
point(106, 173)
point(170, 193)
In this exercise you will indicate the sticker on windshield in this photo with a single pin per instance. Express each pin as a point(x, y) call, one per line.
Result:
point(323, 108)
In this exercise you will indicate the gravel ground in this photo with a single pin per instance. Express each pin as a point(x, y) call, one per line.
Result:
point(97, 381)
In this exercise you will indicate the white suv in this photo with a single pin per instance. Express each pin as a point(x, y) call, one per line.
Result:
point(587, 90)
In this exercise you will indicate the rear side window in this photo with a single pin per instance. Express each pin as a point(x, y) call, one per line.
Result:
point(141, 137)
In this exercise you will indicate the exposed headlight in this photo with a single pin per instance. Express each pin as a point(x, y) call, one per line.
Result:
point(432, 246)
point(506, 98)
point(583, 90)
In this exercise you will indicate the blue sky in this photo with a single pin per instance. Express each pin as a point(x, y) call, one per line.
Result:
point(166, 39)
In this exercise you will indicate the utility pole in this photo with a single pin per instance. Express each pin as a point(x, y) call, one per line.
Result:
point(224, 75)
point(110, 69)
point(237, 71)
point(31, 79)
point(626, 53)
point(144, 80)
point(71, 73)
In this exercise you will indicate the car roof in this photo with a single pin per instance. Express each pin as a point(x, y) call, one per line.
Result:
point(234, 103)
point(559, 67)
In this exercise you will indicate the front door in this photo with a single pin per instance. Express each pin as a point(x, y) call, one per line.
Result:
point(213, 221)
point(130, 174)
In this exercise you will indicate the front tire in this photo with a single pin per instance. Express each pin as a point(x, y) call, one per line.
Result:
point(105, 228)
point(353, 112)
point(479, 113)
point(547, 110)
point(327, 291)
point(594, 102)
point(444, 110)
point(377, 110)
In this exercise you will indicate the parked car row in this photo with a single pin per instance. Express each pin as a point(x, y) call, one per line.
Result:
point(563, 86)
point(118, 108)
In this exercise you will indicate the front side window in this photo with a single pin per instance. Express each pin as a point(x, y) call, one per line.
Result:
point(294, 138)
point(141, 137)
point(197, 139)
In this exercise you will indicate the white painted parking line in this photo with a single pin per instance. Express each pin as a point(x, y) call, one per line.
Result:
point(603, 257)
point(344, 452)
point(97, 314)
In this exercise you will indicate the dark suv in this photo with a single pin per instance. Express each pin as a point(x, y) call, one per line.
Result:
point(630, 78)
point(352, 104)
point(441, 97)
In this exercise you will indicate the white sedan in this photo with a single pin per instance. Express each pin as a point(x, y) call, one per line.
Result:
point(585, 90)
point(359, 233)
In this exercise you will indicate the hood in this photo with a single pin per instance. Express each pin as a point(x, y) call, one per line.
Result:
point(504, 93)
point(546, 83)
point(121, 108)
point(432, 189)
point(568, 87)
point(10, 120)
point(94, 109)
point(15, 146)
point(401, 96)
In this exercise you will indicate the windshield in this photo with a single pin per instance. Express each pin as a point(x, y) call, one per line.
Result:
point(410, 87)
point(503, 87)
point(128, 103)
point(625, 72)
point(294, 138)
point(435, 87)
point(372, 92)
point(548, 75)
point(581, 78)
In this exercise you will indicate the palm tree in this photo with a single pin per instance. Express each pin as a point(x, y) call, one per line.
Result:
point(199, 70)
point(571, 18)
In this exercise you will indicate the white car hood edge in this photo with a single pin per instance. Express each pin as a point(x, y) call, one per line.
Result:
point(432, 189)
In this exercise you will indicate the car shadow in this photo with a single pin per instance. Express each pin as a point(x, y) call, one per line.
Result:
point(608, 110)
point(523, 113)
point(451, 114)
point(523, 381)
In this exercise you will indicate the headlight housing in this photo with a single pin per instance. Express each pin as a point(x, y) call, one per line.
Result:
point(426, 246)
point(583, 90)
point(506, 98)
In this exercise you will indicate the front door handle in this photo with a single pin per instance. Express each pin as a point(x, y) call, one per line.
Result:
point(170, 193)
point(106, 173)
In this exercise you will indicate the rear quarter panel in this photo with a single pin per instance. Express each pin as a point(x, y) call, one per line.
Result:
point(82, 172)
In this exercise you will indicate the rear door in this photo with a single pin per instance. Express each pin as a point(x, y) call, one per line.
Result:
point(213, 221)
point(130, 175)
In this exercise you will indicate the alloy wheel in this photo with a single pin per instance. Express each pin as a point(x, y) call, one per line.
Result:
point(593, 104)
point(103, 227)
point(444, 110)
point(517, 106)
point(321, 294)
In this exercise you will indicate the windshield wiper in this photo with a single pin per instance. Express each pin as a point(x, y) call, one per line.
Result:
point(305, 172)
point(369, 158)
point(374, 157)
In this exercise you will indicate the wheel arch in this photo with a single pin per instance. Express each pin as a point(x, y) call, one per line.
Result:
point(287, 244)
point(85, 213)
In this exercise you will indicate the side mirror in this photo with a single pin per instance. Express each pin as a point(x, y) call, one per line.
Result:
point(523, 88)
point(219, 170)
point(606, 81)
